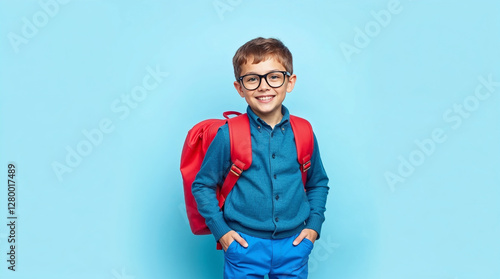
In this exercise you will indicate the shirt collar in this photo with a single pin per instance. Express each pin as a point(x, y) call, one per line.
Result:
point(258, 123)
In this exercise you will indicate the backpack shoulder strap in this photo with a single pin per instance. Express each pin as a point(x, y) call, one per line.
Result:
point(304, 141)
point(241, 153)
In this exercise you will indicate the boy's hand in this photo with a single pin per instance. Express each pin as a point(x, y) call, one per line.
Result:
point(231, 236)
point(306, 233)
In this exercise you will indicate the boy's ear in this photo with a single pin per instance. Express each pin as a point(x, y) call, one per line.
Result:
point(237, 85)
point(291, 83)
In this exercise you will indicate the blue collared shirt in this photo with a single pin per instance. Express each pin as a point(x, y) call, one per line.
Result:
point(268, 200)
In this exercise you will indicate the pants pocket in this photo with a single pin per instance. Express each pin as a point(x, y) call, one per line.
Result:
point(231, 246)
point(308, 243)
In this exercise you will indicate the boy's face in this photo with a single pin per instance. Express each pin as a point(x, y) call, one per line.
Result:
point(265, 101)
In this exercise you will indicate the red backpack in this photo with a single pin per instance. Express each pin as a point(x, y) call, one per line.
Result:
point(198, 140)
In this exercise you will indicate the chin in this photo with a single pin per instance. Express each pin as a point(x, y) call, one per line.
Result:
point(266, 111)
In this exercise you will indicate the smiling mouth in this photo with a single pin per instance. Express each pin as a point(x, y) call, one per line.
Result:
point(265, 98)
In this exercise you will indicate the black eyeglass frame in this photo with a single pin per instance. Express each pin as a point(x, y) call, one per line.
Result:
point(285, 73)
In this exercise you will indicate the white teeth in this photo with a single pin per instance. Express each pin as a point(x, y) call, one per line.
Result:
point(265, 98)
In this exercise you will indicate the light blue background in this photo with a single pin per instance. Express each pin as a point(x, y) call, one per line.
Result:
point(119, 213)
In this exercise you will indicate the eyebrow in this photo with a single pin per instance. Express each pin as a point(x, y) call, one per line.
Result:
point(254, 73)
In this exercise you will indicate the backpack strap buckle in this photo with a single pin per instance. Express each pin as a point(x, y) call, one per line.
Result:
point(306, 166)
point(235, 170)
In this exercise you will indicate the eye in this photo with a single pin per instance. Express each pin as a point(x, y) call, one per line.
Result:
point(251, 79)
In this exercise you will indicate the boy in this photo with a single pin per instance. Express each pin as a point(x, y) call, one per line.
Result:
point(269, 223)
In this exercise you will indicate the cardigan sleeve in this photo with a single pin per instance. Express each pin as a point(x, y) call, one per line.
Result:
point(316, 190)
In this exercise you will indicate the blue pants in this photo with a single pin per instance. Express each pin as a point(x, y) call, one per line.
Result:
point(278, 258)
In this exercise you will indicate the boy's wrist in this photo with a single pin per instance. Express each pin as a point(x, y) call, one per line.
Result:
point(314, 224)
point(218, 227)
point(219, 234)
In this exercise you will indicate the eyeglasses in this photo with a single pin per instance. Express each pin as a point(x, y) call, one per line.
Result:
point(274, 79)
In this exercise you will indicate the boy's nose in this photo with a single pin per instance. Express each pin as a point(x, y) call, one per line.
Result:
point(263, 85)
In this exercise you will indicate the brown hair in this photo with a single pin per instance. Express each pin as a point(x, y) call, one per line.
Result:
point(261, 49)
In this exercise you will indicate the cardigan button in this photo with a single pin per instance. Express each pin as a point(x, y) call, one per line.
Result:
point(277, 219)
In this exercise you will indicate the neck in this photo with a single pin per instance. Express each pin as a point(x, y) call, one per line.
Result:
point(272, 120)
